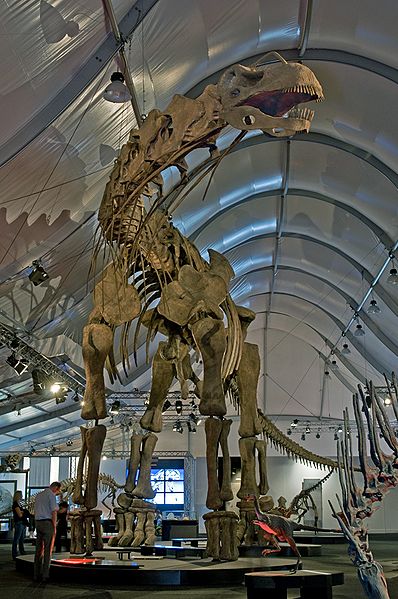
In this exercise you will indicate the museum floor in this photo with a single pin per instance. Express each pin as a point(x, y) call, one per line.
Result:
point(18, 586)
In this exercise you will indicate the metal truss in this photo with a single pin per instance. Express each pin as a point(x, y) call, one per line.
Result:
point(35, 359)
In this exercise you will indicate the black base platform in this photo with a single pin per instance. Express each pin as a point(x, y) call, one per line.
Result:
point(306, 550)
point(104, 567)
point(319, 538)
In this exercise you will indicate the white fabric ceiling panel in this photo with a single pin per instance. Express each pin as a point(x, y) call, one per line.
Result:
point(368, 124)
point(356, 27)
point(203, 39)
point(347, 178)
point(35, 70)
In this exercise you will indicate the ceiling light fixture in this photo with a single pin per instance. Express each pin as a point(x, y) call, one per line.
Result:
point(177, 428)
point(117, 91)
point(307, 430)
point(303, 437)
point(334, 366)
point(373, 307)
point(346, 350)
point(191, 426)
point(359, 332)
point(392, 278)
point(387, 400)
point(166, 406)
point(294, 423)
point(178, 406)
point(115, 407)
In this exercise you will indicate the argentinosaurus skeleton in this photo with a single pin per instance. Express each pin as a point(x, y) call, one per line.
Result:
point(281, 529)
point(158, 275)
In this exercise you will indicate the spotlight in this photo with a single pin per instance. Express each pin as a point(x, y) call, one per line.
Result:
point(116, 91)
point(307, 430)
point(336, 437)
point(166, 406)
point(38, 379)
point(115, 407)
point(387, 400)
point(334, 366)
point(303, 437)
point(327, 373)
point(18, 365)
point(373, 307)
point(392, 278)
point(69, 443)
point(318, 435)
point(346, 350)
point(340, 429)
point(37, 275)
point(104, 457)
point(195, 419)
point(55, 388)
point(191, 427)
point(178, 406)
point(177, 428)
point(294, 423)
point(289, 431)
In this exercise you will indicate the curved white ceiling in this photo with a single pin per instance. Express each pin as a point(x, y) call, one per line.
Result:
point(336, 188)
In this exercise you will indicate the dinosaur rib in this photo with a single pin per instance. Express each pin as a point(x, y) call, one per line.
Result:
point(283, 444)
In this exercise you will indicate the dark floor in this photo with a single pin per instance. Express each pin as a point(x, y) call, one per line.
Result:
point(334, 558)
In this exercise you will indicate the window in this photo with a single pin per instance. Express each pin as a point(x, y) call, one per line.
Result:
point(167, 480)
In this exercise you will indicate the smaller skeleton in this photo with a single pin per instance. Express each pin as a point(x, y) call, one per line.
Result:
point(281, 529)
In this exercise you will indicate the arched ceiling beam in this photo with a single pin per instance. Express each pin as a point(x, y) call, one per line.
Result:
point(384, 238)
point(387, 299)
point(323, 357)
point(80, 81)
point(37, 435)
point(21, 423)
point(368, 357)
point(343, 359)
point(372, 326)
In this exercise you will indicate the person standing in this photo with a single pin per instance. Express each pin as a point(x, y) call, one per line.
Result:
point(20, 523)
point(62, 526)
point(46, 508)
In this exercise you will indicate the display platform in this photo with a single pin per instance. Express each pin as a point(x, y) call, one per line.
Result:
point(306, 550)
point(320, 538)
point(104, 567)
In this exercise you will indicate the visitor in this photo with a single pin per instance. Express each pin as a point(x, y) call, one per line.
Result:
point(21, 521)
point(46, 509)
point(62, 526)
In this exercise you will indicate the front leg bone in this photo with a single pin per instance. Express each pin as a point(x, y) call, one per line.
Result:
point(162, 377)
point(134, 462)
point(248, 484)
point(78, 496)
point(144, 488)
point(213, 428)
point(226, 493)
point(95, 438)
point(210, 337)
point(96, 345)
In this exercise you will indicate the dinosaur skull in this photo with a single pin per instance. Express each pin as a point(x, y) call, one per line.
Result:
point(267, 97)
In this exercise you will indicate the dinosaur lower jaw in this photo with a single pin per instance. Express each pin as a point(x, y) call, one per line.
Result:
point(249, 118)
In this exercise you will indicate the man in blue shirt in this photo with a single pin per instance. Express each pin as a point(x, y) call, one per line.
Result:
point(46, 508)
